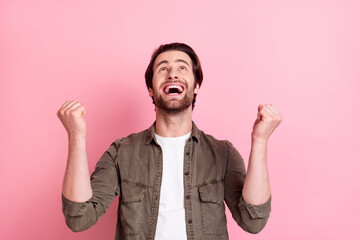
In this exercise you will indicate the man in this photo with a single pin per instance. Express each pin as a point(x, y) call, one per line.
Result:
point(172, 179)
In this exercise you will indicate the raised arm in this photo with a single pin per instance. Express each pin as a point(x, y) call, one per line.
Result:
point(248, 193)
point(257, 187)
point(76, 185)
point(85, 199)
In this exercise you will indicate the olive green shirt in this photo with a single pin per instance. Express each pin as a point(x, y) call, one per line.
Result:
point(131, 168)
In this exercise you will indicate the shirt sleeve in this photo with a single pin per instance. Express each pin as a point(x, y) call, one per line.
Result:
point(80, 216)
point(252, 218)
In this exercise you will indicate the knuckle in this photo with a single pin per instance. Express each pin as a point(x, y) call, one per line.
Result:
point(270, 119)
point(61, 112)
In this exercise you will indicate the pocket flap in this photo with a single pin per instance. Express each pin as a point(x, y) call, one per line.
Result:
point(131, 192)
point(212, 192)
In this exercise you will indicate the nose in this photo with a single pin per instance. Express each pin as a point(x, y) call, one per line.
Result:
point(172, 74)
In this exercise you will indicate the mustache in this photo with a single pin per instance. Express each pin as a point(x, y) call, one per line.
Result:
point(174, 82)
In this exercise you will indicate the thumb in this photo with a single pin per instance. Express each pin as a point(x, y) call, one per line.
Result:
point(258, 117)
point(83, 113)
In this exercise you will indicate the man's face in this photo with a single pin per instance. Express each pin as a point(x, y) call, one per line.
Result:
point(173, 82)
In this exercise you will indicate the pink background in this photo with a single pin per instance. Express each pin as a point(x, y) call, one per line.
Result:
point(303, 56)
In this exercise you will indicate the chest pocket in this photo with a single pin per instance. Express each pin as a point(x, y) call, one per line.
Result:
point(132, 207)
point(213, 216)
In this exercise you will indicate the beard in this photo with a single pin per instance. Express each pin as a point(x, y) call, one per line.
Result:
point(175, 106)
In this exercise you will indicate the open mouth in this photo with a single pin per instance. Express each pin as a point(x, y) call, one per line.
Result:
point(173, 89)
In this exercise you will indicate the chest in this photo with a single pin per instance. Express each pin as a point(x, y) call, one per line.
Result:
point(203, 163)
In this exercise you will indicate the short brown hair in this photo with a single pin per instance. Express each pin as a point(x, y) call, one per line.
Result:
point(197, 71)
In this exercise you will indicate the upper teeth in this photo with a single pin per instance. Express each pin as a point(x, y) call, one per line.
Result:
point(167, 88)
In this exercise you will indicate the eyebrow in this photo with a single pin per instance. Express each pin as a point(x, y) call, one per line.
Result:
point(177, 60)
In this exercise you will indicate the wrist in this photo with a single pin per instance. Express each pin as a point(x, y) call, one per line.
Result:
point(259, 140)
point(76, 137)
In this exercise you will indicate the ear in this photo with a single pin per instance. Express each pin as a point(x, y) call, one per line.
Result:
point(151, 92)
point(197, 88)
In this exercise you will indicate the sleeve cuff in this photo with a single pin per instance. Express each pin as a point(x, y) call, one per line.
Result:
point(257, 211)
point(71, 208)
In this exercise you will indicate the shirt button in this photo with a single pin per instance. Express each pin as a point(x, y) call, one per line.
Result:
point(186, 173)
point(188, 197)
point(190, 221)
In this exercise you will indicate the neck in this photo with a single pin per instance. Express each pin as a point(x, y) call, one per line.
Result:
point(173, 125)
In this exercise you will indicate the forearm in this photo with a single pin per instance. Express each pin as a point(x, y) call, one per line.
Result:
point(257, 186)
point(76, 185)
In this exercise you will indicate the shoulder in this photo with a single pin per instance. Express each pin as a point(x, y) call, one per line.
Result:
point(133, 138)
point(222, 145)
point(133, 141)
point(210, 139)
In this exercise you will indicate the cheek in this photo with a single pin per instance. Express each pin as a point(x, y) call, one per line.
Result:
point(191, 80)
point(154, 81)
point(157, 79)
point(156, 84)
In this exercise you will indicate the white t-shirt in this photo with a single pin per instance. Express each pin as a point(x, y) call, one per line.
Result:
point(171, 219)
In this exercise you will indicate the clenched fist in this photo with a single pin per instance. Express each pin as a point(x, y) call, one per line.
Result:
point(268, 118)
point(72, 114)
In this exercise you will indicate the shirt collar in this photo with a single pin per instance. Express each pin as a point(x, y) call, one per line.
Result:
point(150, 136)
